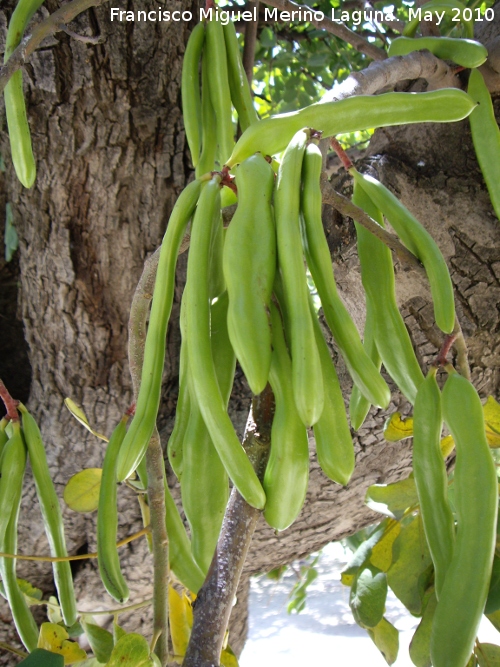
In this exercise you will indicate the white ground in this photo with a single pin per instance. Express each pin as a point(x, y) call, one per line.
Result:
point(324, 632)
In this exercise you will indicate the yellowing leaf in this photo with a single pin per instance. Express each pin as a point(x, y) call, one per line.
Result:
point(181, 620)
point(491, 411)
point(228, 659)
point(386, 639)
point(346, 578)
point(81, 417)
point(54, 610)
point(398, 428)
point(32, 594)
point(382, 552)
point(55, 638)
point(447, 446)
point(81, 493)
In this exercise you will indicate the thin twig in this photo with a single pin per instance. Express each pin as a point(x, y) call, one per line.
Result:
point(13, 649)
point(122, 610)
point(394, 23)
point(50, 26)
point(338, 29)
point(84, 39)
point(347, 208)
point(63, 559)
point(250, 40)
point(215, 598)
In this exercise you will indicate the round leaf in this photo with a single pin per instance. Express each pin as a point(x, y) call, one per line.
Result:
point(81, 493)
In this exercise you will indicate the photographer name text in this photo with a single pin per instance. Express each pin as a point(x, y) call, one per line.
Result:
point(357, 17)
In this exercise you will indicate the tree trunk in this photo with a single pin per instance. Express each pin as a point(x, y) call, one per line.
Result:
point(111, 154)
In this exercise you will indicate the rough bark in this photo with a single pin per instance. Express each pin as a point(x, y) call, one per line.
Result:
point(111, 155)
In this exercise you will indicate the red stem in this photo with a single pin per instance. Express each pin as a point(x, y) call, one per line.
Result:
point(445, 348)
point(9, 402)
point(343, 157)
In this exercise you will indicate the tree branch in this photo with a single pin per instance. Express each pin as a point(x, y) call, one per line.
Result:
point(347, 208)
point(387, 73)
point(154, 460)
point(250, 39)
point(56, 22)
point(215, 598)
point(161, 573)
point(337, 29)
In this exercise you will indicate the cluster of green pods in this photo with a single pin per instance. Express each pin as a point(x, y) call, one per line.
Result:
point(20, 442)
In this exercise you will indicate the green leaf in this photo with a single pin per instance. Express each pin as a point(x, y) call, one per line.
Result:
point(392, 499)
point(368, 596)
point(81, 493)
point(42, 658)
point(75, 630)
point(362, 555)
point(89, 662)
point(11, 239)
point(386, 639)
point(100, 640)
point(267, 38)
point(154, 660)
point(131, 651)
point(494, 619)
point(420, 645)
point(277, 573)
point(318, 60)
point(493, 600)
point(310, 88)
point(118, 632)
point(488, 655)
point(298, 594)
point(411, 570)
